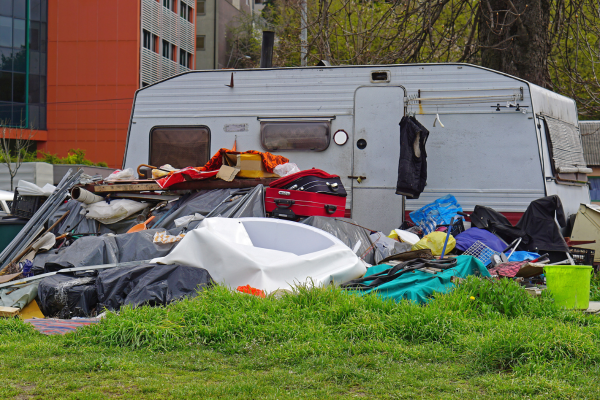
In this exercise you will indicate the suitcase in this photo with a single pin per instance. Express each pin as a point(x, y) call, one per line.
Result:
point(312, 180)
point(315, 184)
point(292, 204)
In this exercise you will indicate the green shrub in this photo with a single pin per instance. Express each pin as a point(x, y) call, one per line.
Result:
point(74, 156)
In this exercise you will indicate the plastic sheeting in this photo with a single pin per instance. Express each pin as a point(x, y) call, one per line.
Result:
point(419, 286)
point(9, 297)
point(386, 247)
point(115, 211)
point(149, 284)
point(92, 250)
point(66, 296)
point(242, 203)
point(75, 221)
point(265, 253)
point(348, 232)
point(202, 202)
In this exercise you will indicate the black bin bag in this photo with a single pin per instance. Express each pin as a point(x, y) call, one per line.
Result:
point(67, 296)
point(149, 284)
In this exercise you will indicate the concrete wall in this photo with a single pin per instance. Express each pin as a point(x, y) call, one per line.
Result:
point(205, 25)
point(225, 13)
point(34, 172)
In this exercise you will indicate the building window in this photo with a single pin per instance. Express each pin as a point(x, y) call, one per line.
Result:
point(6, 87)
point(6, 31)
point(594, 187)
point(171, 5)
point(173, 53)
point(182, 57)
point(184, 11)
point(6, 7)
point(200, 42)
point(200, 7)
point(185, 58)
point(295, 135)
point(147, 36)
point(180, 146)
point(166, 49)
point(144, 84)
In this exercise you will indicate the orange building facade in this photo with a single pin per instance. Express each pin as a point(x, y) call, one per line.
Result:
point(99, 53)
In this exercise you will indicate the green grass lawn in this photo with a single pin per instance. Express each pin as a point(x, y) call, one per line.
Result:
point(320, 343)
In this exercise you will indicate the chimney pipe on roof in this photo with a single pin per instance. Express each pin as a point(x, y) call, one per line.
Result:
point(266, 53)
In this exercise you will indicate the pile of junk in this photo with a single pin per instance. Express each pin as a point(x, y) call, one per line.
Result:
point(256, 223)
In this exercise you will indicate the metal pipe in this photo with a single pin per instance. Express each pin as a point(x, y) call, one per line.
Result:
point(266, 53)
point(303, 34)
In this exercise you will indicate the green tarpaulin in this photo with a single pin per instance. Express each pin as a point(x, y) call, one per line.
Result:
point(418, 286)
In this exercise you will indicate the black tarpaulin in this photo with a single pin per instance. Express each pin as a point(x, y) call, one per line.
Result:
point(539, 222)
point(348, 232)
point(491, 220)
point(67, 296)
point(150, 284)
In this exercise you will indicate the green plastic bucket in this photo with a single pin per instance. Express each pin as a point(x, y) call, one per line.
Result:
point(569, 285)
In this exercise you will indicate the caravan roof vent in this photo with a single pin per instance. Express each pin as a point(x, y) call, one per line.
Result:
point(380, 76)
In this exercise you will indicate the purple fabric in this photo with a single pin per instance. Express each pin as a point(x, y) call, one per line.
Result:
point(471, 235)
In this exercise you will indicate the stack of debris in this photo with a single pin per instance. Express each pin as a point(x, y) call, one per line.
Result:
point(255, 222)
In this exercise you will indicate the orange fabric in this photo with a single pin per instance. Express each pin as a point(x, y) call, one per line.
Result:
point(269, 160)
point(250, 290)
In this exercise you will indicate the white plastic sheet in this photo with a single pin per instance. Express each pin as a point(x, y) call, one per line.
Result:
point(31, 189)
point(121, 175)
point(116, 211)
point(286, 169)
point(267, 254)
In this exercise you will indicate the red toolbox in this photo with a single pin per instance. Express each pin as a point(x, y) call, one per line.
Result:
point(291, 204)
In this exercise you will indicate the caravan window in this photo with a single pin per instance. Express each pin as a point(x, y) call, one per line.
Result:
point(566, 151)
point(181, 147)
point(295, 135)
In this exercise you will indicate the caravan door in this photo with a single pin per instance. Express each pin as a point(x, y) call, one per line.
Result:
point(376, 150)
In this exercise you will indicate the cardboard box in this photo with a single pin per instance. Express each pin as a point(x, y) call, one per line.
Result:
point(250, 165)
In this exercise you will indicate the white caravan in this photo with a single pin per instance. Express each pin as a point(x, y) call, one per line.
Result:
point(495, 140)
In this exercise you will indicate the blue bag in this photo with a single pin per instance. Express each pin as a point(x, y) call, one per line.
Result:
point(440, 211)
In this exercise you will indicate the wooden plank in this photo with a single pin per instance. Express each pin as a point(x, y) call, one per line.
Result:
point(142, 187)
point(205, 184)
point(9, 311)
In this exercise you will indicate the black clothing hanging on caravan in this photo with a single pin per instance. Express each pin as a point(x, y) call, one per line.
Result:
point(412, 167)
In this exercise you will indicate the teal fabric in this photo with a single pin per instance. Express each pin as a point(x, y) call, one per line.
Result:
point(418, 286)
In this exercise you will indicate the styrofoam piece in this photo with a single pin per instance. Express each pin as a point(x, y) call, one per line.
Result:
point(265, 253)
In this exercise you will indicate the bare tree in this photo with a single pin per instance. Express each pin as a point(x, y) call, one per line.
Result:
point(552, 43)
point(14, 144)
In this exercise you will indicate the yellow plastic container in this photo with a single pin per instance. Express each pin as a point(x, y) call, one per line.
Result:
point(569, 285)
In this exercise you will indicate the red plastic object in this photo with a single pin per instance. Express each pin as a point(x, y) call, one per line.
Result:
point(304, 204)
point(250, 290)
